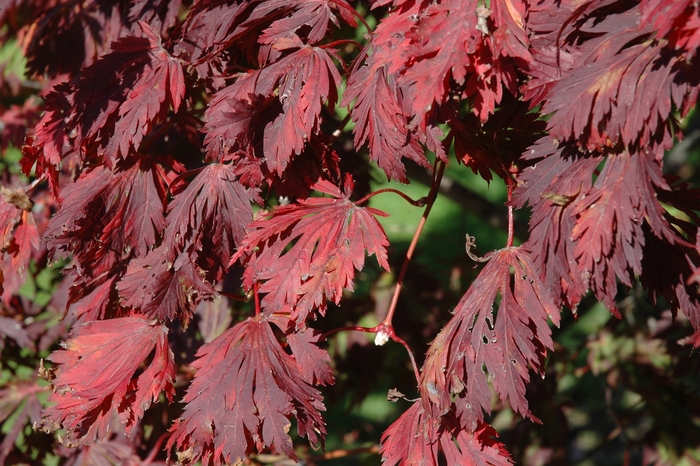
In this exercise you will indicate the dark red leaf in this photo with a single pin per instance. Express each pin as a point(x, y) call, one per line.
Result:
point(380, 120)
point(123, 210)
point(306, 253)
point(96, 376)
point(504, 342)
point(302, 81)
point(415, 437)
point(316, 15)
point(164, 284)
point(314, 362)
point(118, 99)
point(62, 40)
point(210, 216)
point(244, 393)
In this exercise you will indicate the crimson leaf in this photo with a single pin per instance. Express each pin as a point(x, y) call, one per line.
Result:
point(304, 254)
point(505, 341)
point(96, 376)
point(245, 390)
point(414, 439)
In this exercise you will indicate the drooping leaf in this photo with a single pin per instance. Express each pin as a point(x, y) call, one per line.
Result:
point(314, 16)
point(303, 80)
point(561, 176)
point(380, 121)
point(306, 253)
point(506, 342)
point(96, 377)
point(62, 40)
point(313, 361)
point(110, 215)
point(416, 437)
point(244, 393)
point(124, 94)
point(164, 284)
point(210, 217)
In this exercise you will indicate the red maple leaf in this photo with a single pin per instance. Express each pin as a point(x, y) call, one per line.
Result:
point(314, 362)
point(125, 93)
point(306, 253)
point(303, 80)
point(96, 376)
point(51, 140)
point(550, 186)
point(380, 120)
point(19, 236)
point(447, 46)
point(210, 216)
point(314, 16)
point(677, 21)
point(164, 284)
point(244, 393)
point(504, 342)
point(123, 209)
point(415, 437)
point(62, 40)
point(511, 36)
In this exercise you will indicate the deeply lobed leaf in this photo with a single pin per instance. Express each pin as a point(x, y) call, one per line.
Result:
point(96, 378)
point(306, 253)
point(416, 437)
point(505, 342)
point(244, 393)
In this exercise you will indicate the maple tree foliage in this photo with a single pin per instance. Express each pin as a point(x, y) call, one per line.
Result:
point(179, 159)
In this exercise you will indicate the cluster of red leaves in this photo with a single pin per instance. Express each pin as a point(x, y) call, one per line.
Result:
point(162, 129)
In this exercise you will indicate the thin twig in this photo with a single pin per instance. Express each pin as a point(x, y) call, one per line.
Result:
point(329, 455)
point(419, 203)
point(439, 170)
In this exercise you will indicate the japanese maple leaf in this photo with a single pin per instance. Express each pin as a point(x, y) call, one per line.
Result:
point(415, 437)
point(211, 215)
point(380, 121)
point(615, 91)
point(164, 284)
point(315, 362)
point(303, 80)
point(306, 253)
point(64, 40)
point(676, 21)
point(19, 236)
point(504, 342)
point(316, 15)
point(244, 393)
point(91, 298)
point(550, 186)
point(96, 380)
point(443, 43)
point(511, 36)
point(608, 232)
point(121, 96)
point(123, 209)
